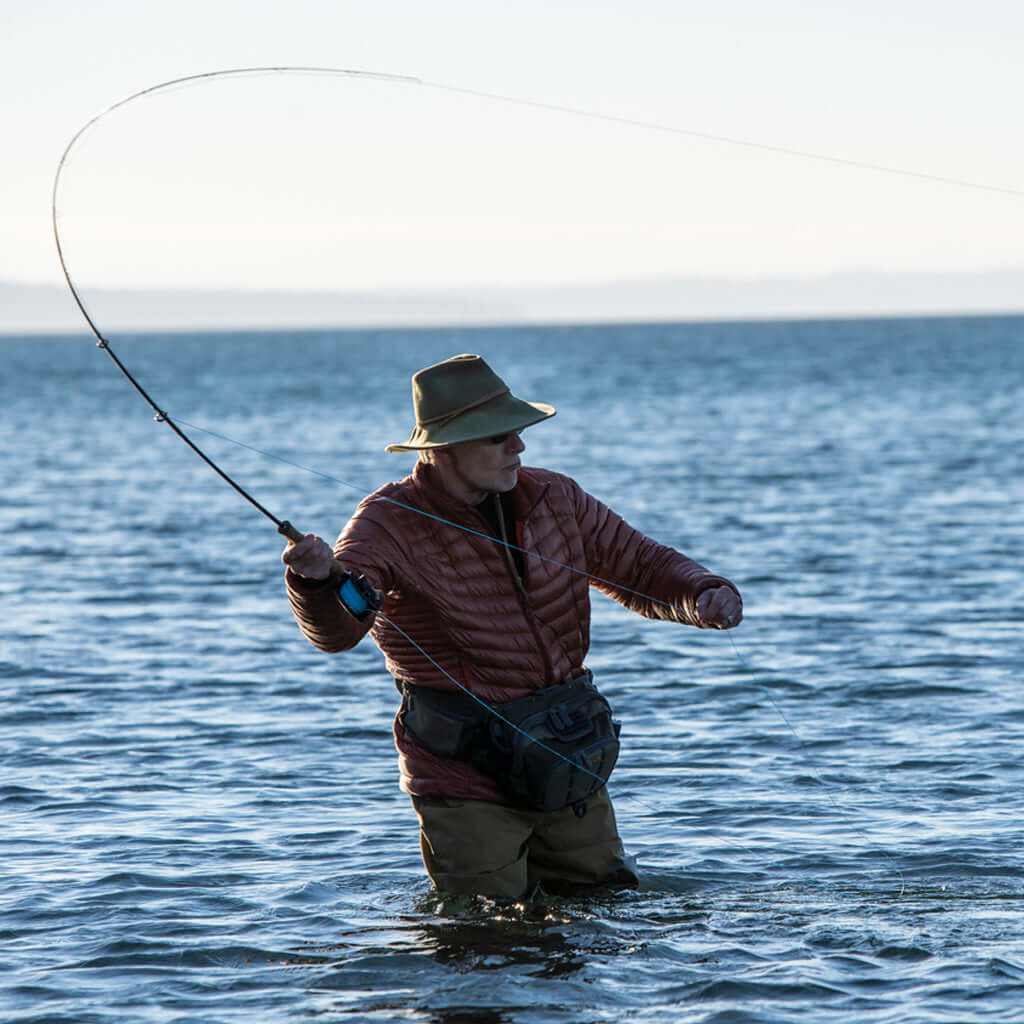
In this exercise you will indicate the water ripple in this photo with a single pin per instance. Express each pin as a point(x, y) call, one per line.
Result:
point(201, 817)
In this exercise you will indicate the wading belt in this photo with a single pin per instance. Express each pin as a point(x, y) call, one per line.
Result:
point(549, 750)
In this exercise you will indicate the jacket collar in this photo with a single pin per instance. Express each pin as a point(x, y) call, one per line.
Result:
point(525, 495)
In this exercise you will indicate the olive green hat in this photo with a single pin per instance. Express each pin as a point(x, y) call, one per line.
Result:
point(463, 399)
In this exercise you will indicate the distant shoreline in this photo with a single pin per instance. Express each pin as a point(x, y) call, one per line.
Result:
point(50, 309)
point(84, 333)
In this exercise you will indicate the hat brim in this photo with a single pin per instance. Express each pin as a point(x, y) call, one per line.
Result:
point(503, 415)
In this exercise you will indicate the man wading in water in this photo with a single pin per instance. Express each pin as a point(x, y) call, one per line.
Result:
point(512, 797)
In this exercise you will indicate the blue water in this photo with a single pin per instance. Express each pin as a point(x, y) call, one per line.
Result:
point(200, 813)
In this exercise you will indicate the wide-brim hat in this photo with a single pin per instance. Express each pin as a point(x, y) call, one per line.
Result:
point(463, 399)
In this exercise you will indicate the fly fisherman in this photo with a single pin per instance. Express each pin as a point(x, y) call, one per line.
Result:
point(504, 743)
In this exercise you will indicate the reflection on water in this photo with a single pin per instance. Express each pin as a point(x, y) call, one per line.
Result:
point(469, 936)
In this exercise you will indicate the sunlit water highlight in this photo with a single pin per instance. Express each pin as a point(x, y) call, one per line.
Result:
point(200, 813)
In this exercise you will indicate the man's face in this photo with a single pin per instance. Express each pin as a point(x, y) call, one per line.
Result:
point(478, 468)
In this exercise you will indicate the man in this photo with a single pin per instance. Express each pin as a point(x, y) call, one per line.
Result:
point(484, 567)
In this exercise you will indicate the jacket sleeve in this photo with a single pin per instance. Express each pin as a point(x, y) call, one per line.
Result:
point(326, 623)
point(365, 546)
point(650, 578)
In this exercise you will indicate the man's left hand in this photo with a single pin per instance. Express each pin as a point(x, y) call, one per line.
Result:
point(720, 608)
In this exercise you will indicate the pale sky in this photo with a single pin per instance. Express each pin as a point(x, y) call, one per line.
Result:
point(314, 182)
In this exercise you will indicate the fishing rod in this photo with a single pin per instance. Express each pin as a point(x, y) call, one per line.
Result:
point(369, 597)
point(361, 597)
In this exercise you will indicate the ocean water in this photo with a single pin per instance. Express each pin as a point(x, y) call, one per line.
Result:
point(199, 813)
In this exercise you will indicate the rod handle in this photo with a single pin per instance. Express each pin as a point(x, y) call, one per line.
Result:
point(338, 571)
point(287, 530)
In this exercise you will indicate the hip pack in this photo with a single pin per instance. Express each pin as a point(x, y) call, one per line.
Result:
point(549, 750)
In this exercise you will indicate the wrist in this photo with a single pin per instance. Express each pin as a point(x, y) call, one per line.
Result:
point(302, 582)
point(358, 597)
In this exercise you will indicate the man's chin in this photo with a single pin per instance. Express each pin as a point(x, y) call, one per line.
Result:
point(508, 481)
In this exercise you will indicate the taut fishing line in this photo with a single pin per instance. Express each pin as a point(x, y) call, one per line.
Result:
point(361, 489)
point(282, 525)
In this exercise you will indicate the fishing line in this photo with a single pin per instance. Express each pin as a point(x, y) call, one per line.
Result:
point(284, 526)
point(593, 115)
point(807, 754)
point(767, 147)
point(625, 796)
point(573, 569)
point(430, 515)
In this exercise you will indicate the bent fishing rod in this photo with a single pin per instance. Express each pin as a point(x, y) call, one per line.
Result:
point(354, 591)
point(283, 526)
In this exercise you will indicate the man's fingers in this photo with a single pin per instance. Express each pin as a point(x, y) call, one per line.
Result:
point(310, 557)
point(720, 607)
point(297, 551)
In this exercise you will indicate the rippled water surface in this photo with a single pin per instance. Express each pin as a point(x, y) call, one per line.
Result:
point(200, 813)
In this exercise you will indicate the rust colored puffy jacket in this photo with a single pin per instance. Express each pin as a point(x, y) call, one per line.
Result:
point(453, 592)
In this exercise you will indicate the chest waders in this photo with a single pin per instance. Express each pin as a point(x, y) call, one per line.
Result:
point(546, 751)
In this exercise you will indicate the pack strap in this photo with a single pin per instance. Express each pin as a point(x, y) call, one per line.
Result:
point(449, 723)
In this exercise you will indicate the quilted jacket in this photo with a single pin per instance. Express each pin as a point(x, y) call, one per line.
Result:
point(450, 587)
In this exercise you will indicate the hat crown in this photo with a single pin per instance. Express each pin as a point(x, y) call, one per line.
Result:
point(449, 389)
point(463, 399)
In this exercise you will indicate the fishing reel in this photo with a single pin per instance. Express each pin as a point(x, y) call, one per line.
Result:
point(356, 594)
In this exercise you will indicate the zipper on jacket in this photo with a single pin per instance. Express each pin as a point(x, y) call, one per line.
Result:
point(510, 563)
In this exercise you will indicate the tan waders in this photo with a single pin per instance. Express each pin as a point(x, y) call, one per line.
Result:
point(488, 849)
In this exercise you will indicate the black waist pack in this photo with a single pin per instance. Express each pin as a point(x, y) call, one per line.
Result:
point(550, 750)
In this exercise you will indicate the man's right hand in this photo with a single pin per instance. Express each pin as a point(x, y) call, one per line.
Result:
point(310, 557)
